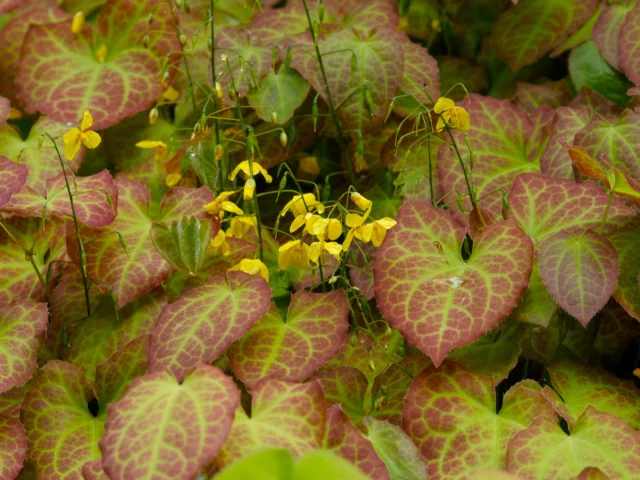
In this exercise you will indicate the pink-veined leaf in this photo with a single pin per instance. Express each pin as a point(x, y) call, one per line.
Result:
point(59, 72)
point(513, 33)
point(607, 30)
point(283, 414)
point(544, 206)
point(13, 447)
point(347, 387)
point(627, 291)
point(23, 327)
point(537, 305)
point(164, 428)
point(6, 6)
point(420, 75)
point(11, 400)
point(343, 438)
point(428, 292)
point(204, 321)
point(580, 269)
point(93, 470)
point(61, 394)
point(314, 331)
point(450, 410)
point(616, 330)
point(597, 439)
point(13, 178)
point(628, 45)
point(582, 386)
point(596, 103)
point(529, 96)
point(5, 108)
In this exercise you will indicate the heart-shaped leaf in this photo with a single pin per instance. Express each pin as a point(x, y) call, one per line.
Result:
point(597, 439)
point(204, 321)
point(347, 387)
point(183, 244)
point(628, 48)
point(627, 292)
point(529, 96)
point(13, 447)
point(580, 269)
point(607, 29)
point(164, 428)
point(445, 405)
point(13, 178)
point(313, 333)
point(59, 391)
point(436, 299)
point(287, 415)
point(420, 79)
point(537, 305)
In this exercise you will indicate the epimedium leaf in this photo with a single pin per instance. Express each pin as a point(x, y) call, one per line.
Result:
point(283, 414)
point(184, 243)
point(320, 464)
point(279, 94)
point(582, 386)
point(314, 331)
point(347, 387)
point(342, 438)
point(627, 291)
point(13, 447)
point(607, 30)
point(128, 73)
point(544, 206)
point(164, 428)
point(93, 470)
point(436, 299)
point(537, 305)
point(450, 409)
point(5, 108)
point(529, 96)
point(397, 451)
point(22, 330)
point(525, 32)
point(597, 439)
point(60, 393)
point(14, 176)
point(420, 79)
point(628, 49)
point(11, 400)
point(204, 321)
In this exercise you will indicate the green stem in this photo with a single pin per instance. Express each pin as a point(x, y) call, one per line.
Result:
point(184, 58)
point(606, 212)
point(216, 104)
point(464, 167)
point(433, 202)
point(334, 114)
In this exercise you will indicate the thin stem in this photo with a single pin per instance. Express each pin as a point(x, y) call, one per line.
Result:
point(216, 104)
point(606, 212)
point(464, 167)
point(433, 202)
point(184, 58)
point(334, 115)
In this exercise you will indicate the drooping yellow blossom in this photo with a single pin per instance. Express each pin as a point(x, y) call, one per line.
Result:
point(78, 22)
point(456, 117)
point(246, 169)
point(222, 204)
point(249, 189)
point(294, 253)
point(76, 136)
point(219, 244)
point(308, 168)
point(317, 250)
point(298, 202)
point(170, 95)
point(173, 179)
point(159, 149)
point(101, 53)
point(252, 267)
point(373, 232)
point(239, 227)
point(324, 228)
point(361, 201)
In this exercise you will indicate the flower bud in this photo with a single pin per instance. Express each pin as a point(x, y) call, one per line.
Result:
point(283, 139)
point(77, 23)
point(274, 117)
point(372, 365)
point(153, 116)
point(219, 90)
point(165, 79)
point(219, 152)
point(224, 58)
point(150, 19)
point(145, 41)
point(183, 39)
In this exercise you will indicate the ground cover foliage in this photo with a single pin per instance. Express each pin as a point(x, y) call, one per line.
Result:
point(297, 239)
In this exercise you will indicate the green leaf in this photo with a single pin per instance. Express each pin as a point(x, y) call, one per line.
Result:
point(321, 465)
point(280, 93)
point(184, 243)
point(268, 464)
point(537, 305)
point(588, 68)
point(161, 427)
point(347, 387)
point(627, 292)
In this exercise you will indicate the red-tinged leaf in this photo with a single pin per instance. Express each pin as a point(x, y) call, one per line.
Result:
point(420, 78)
point(123, 85)
point(41, 160)
point(551, 21)
point(343, 438)
point(454, 70)
point(580, 269)
point(13, 447)
point(616, 331)
point(434, 298)
point(11, 400)
point(528, 96)
point(204, 321)
point(95, 339)
point(346, 387)
point(18, 279)
point(60, 394)
point(582, 386)
point(378, 71)
point(164, 428)
point(588, 166)
point(6, 6)
point(313, 333)
point(13, 178)
point(5, 108)
point(628, 48)
point(598, 439)
point(93, 470)
point(617, 139)
point(627, 292)
point(589, 98)
point(95, 199)
point(397, 451)
point(23, 327)
point(372, 14)
point(502, 138)
point(607, 30)
point(286, 415)
point(537, 305)
point(544, 206)
point(591, 473)
point(451, 410)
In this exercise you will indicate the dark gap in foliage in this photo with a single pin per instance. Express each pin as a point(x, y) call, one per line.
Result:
point(94, 407)
point(564, 426)
point(467, 248)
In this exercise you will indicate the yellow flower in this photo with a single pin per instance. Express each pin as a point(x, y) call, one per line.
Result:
point(301, 220)
point(294, 253)
point(324, 228)
point(308, 168)
point(159, 149)
point(297, 205)
point(361, 201)
point(101, 53)
point(239, 227)
point(252, 267)
point(373, 232)
point(222, 204)
point(249, 188)
point(257, 169)
point(219, 244)
point(74, 137)
point(78, 21)
point(170, 95)
point(456, 117)
point(317, 250)
point(172, 179)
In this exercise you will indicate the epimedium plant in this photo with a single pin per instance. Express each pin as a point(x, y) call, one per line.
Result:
point(319, 239)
